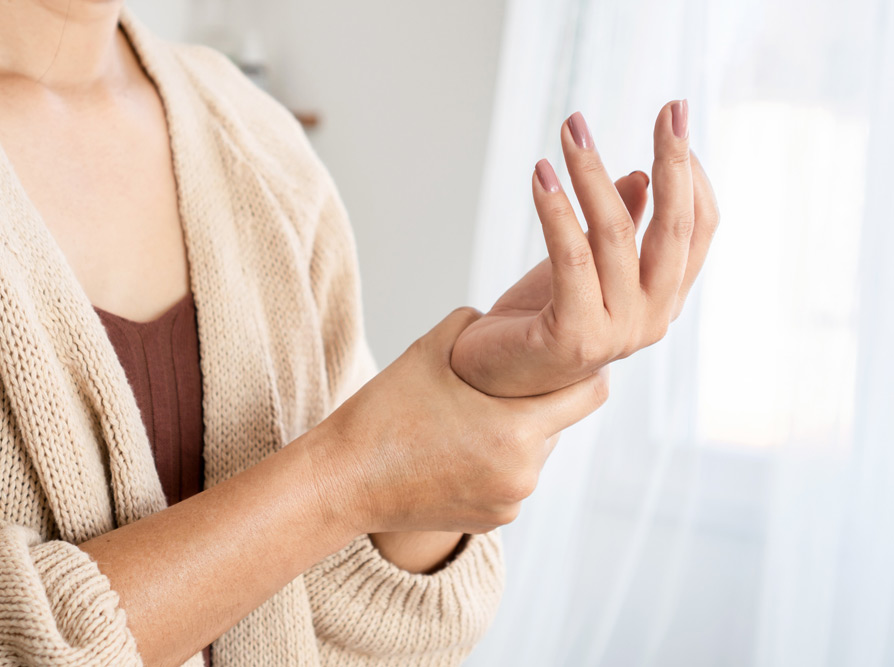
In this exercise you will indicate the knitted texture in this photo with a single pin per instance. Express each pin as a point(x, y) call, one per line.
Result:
point(274, 276)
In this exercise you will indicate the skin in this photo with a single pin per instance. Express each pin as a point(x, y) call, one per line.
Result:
point(596, 299)
point(111, 201)
point(86, 133)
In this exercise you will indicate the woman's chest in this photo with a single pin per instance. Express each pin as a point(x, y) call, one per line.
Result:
point(100, 176)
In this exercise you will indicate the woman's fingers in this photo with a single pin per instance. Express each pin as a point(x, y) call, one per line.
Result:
point(601, 268)
point(576, 294)
point(562, 408)
point(707, 217)
point(611, 229)
point(443, 336)
point(665, 246)
point(634, 191)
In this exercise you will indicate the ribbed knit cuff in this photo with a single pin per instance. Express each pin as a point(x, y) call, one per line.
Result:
point(367, 605)
point(87, 623)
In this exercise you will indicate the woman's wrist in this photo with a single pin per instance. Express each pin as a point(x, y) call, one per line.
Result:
point(338, 488)
point(349, 507)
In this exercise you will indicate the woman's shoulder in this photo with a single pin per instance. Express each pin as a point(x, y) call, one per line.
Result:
point(219, 80)
point(251, 115)
point(255, 129)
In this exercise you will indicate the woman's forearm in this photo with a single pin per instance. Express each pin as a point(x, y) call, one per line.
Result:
point(187, 574)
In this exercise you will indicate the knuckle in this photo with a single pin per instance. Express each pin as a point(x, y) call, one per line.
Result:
point(579, 349)
point(511, 438)
point(678, 226)
point(521, 432)
point(556, 210)
point(466, 311)
point(508, 514)
point(526, 483)
point(513, 479)
point(625, 349)
point(592, 167)
point(625, 345)
point(585, 353)
point(577, 255)
point(619, 230)
point(682, 226)
point(516, 488)
point(465, 314)
point(678, 160)
point(655, 332)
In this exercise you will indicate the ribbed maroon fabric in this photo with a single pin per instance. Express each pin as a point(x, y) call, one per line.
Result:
point(161, 361)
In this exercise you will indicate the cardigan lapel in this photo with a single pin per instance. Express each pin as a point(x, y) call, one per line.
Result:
point(86, 414)
point(75, 412)
point(241, 413)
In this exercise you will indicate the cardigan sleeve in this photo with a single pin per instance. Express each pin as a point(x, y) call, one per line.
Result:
point(366, 610)
point(56, 608)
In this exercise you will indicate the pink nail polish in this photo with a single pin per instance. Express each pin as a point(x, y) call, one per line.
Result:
point(680, 118)
point(642, 173)
point(580, 131)
point(547, 176)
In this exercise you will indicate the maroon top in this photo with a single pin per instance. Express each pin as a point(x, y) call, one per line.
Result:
point(161, 361)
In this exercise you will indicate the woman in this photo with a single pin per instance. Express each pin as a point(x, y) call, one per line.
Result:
point(145, 185)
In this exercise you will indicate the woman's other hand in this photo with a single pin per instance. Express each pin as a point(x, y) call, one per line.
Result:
point(419, 449)
point(595, 300)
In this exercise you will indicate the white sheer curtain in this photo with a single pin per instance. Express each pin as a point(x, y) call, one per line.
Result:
point(733, 503)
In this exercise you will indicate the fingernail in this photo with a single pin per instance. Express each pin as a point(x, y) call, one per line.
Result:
point(642, 173)
point(680, 117)
point(579, 130)
point(547, 176)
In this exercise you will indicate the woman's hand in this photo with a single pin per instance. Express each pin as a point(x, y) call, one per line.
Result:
point(419, 449)
point(596, 300)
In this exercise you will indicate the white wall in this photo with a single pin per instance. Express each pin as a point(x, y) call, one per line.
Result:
point(405, 90)
point(168, 18)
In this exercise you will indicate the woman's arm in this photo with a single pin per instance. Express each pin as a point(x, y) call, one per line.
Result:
point(426, 552)
point(187, 574)
point(416, 449)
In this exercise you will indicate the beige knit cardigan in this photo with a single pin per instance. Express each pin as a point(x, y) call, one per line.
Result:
point(274, 275)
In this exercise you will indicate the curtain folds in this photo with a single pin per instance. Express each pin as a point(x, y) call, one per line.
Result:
point(733, 503)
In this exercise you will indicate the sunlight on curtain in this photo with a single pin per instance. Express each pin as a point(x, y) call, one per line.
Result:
point(733, 503)
point(789, 258)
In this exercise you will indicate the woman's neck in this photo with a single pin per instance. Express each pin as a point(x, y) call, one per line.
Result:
point(64, 45)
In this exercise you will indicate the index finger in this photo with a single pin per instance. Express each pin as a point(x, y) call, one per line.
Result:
point(575, 283)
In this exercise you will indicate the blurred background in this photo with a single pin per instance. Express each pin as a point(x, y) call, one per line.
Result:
point(399, 96)
point(733, 503)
